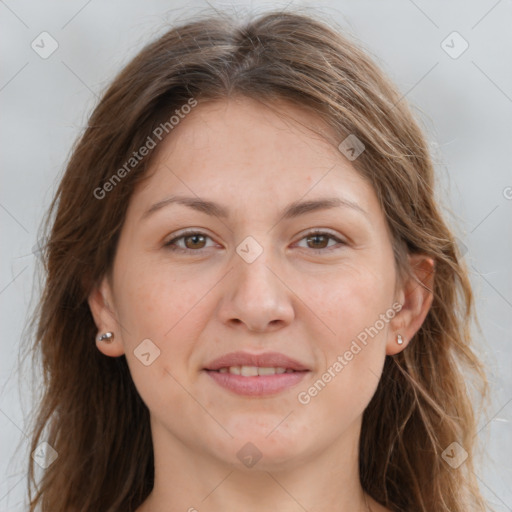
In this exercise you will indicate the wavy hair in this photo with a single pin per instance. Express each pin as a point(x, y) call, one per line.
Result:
point(90, 411)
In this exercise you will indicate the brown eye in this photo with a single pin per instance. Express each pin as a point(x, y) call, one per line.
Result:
point(319, 241)
point(192, 242)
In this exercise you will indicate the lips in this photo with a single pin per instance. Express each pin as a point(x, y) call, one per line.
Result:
point(266, 360)
point(256, 374)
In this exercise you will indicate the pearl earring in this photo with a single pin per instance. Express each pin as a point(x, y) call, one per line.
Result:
point(399, 339)
point(106, 336)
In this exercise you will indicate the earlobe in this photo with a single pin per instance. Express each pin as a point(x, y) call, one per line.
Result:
point(101, 304)
point(416, 299)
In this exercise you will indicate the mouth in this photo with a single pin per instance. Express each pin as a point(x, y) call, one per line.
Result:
point(256, 374)
point(246, 362)
point(257, 383)
point(254, 371)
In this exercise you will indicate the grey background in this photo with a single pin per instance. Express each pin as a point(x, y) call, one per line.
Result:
point(464, 104)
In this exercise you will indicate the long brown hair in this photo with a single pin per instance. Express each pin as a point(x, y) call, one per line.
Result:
point(91, 413)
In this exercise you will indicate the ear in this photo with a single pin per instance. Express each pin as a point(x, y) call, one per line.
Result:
point(101, 305)
point(416, 296)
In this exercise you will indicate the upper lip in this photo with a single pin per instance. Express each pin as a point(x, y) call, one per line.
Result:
point(265, 360)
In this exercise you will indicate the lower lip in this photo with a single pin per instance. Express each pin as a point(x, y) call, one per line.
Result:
point(257, 386)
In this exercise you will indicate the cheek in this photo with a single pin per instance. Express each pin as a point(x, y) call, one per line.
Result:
point(356, 308)
point(168, 307)
point(348, 301)
point(155, 301)
point(165, 312)
point(152, 306)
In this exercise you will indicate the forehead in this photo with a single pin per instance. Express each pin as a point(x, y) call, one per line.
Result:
point(241, 149)
point(229, 131)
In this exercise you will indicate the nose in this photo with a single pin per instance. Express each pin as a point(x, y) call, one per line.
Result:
point(257, 296)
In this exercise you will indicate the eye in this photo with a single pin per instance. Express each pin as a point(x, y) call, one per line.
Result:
point(320, 239)
point(194, 242)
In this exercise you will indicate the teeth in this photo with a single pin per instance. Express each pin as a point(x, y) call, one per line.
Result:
point(267, 371)
point(254, 371)
point(247, 371)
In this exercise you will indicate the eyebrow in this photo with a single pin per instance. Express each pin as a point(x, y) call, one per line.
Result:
point(293, 210)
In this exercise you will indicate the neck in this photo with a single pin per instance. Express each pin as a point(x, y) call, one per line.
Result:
point(188, 478)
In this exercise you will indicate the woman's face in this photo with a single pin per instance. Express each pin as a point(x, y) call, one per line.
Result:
point(253, 279)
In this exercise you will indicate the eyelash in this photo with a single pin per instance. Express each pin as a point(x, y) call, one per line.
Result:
point(169, 245)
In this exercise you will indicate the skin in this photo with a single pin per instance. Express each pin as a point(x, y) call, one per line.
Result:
point(307, 304)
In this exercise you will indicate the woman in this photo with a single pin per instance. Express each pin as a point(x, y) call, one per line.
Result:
point(252, 301)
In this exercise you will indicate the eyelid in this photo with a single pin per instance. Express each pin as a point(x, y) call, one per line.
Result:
point(321, 231)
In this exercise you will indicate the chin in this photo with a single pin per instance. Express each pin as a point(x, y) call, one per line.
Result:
point(265, 447)
point(262, 455)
